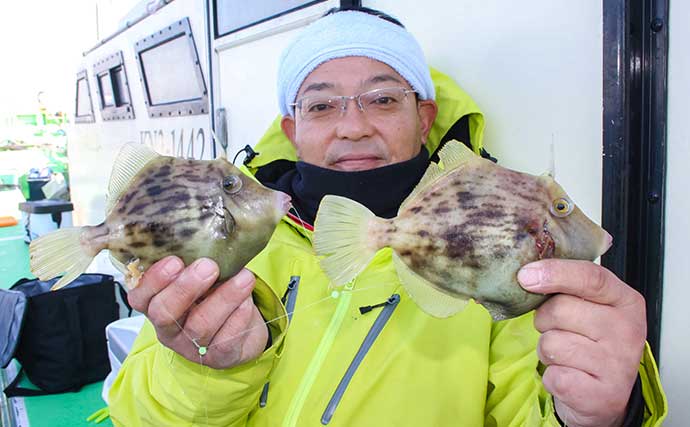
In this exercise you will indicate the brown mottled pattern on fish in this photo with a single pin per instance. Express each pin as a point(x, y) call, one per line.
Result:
point(470, 231)
point(178, 207)
point(483, 221)
point(160, 206)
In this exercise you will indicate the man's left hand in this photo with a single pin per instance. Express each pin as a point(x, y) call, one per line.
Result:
point(593, 335)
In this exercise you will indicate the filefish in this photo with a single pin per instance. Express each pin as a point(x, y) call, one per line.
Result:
point(159, 206)
point(463, 233)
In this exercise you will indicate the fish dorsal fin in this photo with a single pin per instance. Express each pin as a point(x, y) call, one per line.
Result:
point(455, 154)
point(551, 172)
point(131, 159)
point(425, 294)
point(452, 156)
point(552, 159)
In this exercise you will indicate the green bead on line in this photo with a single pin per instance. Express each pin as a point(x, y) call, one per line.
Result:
point(202, 350)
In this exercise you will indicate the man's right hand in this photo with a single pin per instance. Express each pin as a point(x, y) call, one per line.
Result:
point(221, 318)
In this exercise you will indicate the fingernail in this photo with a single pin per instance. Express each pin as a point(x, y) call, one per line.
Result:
point(204, 268)
point(529, 276)
point(172, 266)
point(244, 279)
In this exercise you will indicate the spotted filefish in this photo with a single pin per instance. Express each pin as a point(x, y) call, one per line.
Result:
point(159, 206)
point(463, 232)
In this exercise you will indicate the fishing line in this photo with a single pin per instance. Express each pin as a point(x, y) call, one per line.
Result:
point(204, 370)
point(202, 366)
point(565, 418)
point(189, 337)
point(203, 349)
point(266, 323)
point(293, 208)
point(243, 150)
point(236, 156)
point(202, 353)
point(205, 385)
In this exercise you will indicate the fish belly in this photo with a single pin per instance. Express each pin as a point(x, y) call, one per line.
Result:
point(480, 262)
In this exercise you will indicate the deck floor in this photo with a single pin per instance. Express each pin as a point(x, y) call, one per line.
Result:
point(59, 410)
point(14, 256)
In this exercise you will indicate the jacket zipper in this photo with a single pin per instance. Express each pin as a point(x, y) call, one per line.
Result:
point(374, 332)
point(319, 357)
point(289, 299)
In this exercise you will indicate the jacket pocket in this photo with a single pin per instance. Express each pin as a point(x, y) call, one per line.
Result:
point(385, 314)
point(289, 300)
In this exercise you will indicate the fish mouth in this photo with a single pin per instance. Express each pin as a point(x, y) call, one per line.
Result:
point(608, 242)
point(543, 242)
point(546, 246)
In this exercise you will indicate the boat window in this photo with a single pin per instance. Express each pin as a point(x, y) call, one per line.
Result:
point(113, 88)
point(234, 15)
point(84, 108)
point(108, 100)
point(166, 93)
point(119, 80)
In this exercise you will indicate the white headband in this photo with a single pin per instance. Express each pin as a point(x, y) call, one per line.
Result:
point(351, 33)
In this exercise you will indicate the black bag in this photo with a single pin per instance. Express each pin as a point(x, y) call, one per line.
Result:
point(58, 337)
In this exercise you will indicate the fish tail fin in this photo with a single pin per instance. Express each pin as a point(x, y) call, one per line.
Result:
point(59, 252)
point(341, 235)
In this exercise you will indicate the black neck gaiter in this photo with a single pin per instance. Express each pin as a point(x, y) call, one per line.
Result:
point(382, 190)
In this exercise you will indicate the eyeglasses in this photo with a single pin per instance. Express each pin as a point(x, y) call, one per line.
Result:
point(377, 102)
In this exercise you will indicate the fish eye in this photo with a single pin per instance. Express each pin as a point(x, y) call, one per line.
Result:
point(561, 207)
point(232, 184)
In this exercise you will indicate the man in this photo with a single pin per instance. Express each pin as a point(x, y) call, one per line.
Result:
point(359, 110)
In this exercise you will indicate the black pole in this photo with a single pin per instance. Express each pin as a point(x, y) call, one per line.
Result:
point(350, 3)
point(635, 51)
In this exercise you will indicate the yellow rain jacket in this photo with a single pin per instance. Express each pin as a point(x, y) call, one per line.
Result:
point(361, 356)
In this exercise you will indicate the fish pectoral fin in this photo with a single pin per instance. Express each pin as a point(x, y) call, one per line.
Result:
point(425, 294)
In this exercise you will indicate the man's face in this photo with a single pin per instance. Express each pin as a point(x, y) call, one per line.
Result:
point(358, 140)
